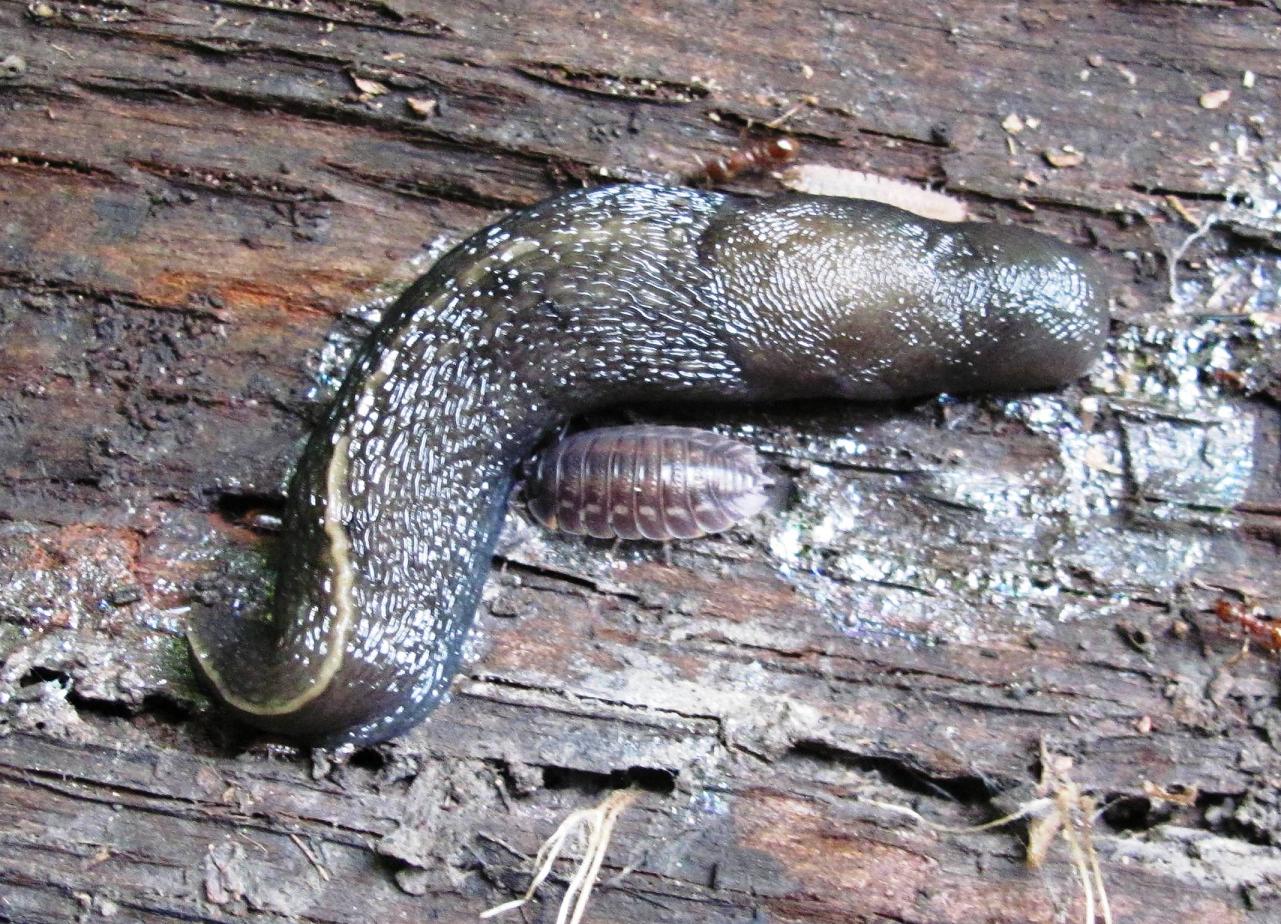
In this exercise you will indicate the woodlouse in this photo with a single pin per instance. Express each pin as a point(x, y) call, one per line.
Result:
point(646, 482)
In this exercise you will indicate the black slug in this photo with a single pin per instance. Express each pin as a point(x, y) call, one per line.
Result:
point(646, 482)
point(593, 298)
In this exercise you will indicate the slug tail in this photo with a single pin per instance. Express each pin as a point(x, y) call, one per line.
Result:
point(238, 659)
point(233, 655)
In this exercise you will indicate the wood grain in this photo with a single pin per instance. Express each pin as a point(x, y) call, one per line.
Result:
point(197, 198)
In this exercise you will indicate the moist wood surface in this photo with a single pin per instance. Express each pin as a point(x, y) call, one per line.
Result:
point(195, 198)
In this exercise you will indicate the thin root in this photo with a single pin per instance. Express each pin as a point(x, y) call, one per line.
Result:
point(598, 824)
point(1172, 257)
point(1060, 810)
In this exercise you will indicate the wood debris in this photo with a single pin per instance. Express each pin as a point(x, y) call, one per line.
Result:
point(423, 108)
point(1013, 124)
point(1213, 99)
point(1063, 157)
point(368, 87)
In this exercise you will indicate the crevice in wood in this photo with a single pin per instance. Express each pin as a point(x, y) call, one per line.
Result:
point(650, 779)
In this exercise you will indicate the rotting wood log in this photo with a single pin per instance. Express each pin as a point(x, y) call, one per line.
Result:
point(199, 200)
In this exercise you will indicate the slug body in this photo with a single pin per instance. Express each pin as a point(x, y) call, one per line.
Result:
point(646, 482)
point(594, 298)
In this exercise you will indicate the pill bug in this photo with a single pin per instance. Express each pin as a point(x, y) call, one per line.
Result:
point(646, 482)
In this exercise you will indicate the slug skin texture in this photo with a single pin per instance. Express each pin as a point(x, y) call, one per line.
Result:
point(599, 297)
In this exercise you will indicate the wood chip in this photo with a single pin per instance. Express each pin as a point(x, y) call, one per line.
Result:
point(1066, 156)
point(1096, 457)
point(1012, 123)
point(1214, 98)
point(1247, 80)
point(425, 108)
point(367, 86)
point(1178, 795)
point(1175, 203)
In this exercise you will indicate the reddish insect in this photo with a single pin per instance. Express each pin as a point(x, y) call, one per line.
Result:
point(1264, 632)
point(646, 482)
point(759, 155)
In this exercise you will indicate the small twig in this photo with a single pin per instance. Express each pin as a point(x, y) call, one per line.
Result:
point(778, 122)
point(1097, 871)
point(245, 837)
point(311, 856)
point(1175, 203)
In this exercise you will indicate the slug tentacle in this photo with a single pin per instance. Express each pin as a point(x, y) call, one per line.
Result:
point(593, 298)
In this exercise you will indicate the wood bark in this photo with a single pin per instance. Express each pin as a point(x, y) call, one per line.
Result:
point(196, 199)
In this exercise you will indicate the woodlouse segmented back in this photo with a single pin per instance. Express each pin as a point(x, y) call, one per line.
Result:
point(646, 482)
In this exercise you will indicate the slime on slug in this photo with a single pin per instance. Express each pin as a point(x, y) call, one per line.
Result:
point(593, 298)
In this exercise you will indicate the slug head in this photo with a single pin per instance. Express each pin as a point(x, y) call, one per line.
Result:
point(1034, 311)
point(866, 301)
